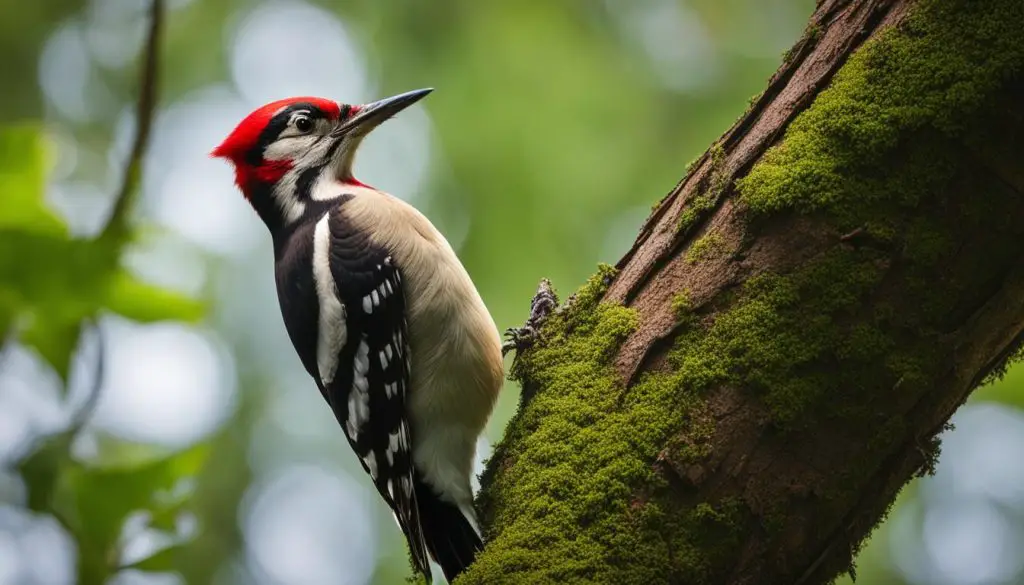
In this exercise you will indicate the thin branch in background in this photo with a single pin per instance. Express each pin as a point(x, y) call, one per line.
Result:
point(84, 412)
point(117, 224)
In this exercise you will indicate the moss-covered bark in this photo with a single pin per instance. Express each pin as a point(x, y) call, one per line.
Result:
point(742, 398)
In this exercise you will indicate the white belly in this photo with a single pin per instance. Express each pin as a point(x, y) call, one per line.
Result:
point(456, 375)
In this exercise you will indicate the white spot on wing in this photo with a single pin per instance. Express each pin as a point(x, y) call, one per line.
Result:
point(351, 427)
point(371, 464)
point(392, 447)
point(359, 396)
point(331, 328)
point(361, 383)
point(362, 359)
point(376, 297)
point(367, 304)
point(383, 357)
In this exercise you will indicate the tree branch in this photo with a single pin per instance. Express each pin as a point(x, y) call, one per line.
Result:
point(145, 106)
point(795, 324)
point(88, 407)
point(117, 227)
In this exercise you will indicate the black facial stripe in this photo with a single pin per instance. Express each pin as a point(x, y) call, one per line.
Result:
point(333, 148)
point(304, 184)
point(277, 125)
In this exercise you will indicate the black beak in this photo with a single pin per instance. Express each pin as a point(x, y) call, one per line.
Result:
point(373, 114)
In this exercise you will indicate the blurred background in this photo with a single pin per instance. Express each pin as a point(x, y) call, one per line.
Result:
point(174, 438)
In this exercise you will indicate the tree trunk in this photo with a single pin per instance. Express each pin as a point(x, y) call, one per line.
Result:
point(740, 400)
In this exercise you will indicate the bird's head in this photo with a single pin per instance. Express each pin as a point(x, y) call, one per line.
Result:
point(281, 150)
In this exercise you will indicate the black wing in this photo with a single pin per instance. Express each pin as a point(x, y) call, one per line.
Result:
point(368, 388)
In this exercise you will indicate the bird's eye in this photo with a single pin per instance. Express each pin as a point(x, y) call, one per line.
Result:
point(303, 124)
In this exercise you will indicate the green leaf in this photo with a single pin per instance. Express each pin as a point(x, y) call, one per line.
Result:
point(8, 311)
point(166, 517)
point(135, 483)
point(22, 180)
point(144, 302)
point(54, 339)
point(42, 468)
point(95, 501)
point(53, 280)
point(160, 561)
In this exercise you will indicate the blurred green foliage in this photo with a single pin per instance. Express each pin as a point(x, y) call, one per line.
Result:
point(554, 132)
point(50, 282)
point(50, 285)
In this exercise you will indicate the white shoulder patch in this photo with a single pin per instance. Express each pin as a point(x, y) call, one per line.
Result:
point(332, 329)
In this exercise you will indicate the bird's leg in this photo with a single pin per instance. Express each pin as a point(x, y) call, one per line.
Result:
point(543, 304)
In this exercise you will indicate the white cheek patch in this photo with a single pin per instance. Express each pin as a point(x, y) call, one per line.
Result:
point(326, 188)
point(285, 194)
point(293, 148)
point(304, 152)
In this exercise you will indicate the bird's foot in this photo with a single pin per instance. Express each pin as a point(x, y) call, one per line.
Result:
point(543, 304)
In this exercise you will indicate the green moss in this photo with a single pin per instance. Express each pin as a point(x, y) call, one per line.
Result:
point(929, 77)
point(578, 456)
point(581, 450)
point(813, 32)
point(926, 242)
point(709, 246)
point(777, 326)
point(682, 305)
point(707, 199)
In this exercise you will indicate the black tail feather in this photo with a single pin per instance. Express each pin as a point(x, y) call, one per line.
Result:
point(450, 537)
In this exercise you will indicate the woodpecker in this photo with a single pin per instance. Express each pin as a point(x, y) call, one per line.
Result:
point(381, 312)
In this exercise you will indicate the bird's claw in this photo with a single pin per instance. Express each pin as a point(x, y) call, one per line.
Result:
point(516, 337)
point(543, 304)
